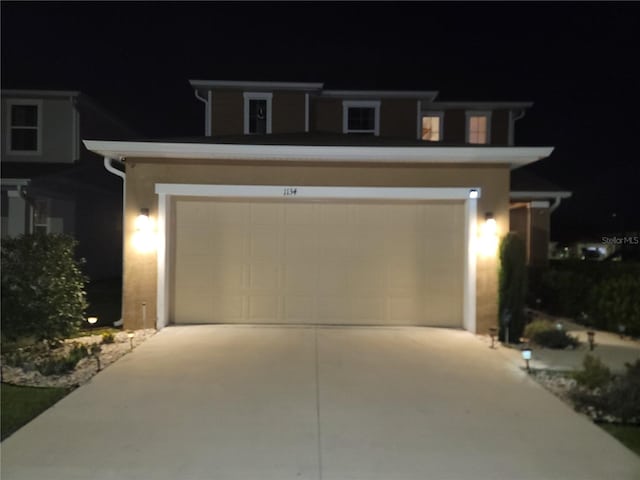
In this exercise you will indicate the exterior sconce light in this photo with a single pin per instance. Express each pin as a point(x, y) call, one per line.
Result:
point(489, 236)
point(130, 335)
point(621, 329)
point(92, 320)
point(591, 336)
point(526, 356)
point(144, 238)
point(473, 193)
point(492, 333)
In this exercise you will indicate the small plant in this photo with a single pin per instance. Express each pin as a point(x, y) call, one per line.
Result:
point(58, 365)
point(624, 396)
point(108, 337)
point(545, 334)
point(594, 373)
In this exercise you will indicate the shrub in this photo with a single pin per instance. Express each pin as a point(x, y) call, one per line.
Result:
point(545, 334)
point(108, 337)
point(58, 365)
point(624, 396)
point(616, 302)
point(594, 373)
point(42, 287)
point(512, 286)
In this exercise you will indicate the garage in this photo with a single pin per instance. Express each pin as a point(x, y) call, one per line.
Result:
point(316, 261)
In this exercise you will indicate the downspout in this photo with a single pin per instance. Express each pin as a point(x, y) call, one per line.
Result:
point(556, 204)
point(512, 123)
point(207, 111)
point(111, 169)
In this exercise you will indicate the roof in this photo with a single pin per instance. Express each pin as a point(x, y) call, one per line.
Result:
point(316, 148)
point(527, 185)
point(40, 93)
point(235, 84)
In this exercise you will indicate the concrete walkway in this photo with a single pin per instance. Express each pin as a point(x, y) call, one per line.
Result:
point(609, 347)
point(277, 403)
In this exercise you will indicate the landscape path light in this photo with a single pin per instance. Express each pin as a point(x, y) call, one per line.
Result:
point(492, 333)
point(95, 353)
point(130, 335)
point(92, 320)
point(621, 329)
point(526, 356)
point(591, 335)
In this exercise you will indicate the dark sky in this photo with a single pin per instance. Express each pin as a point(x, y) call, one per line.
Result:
point(577, 61)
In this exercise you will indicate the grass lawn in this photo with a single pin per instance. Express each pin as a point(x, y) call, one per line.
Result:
point(21, 404)
point(627, 435)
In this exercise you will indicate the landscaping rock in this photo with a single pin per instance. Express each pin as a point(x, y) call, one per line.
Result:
point(85, 369)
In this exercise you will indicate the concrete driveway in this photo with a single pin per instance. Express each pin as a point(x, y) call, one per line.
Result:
point(244, 403)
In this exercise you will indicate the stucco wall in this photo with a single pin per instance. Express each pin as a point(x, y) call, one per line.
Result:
point(142, 175)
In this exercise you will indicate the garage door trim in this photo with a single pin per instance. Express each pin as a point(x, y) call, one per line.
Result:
point(166, 191)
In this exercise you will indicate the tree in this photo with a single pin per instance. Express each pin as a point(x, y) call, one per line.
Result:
point(43, 288)
point(512, 287)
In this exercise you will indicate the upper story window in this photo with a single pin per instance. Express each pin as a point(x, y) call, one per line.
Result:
point(25, 126)
point(361, 116)
point(478, 127)
point(257, 112)
point(432, 126)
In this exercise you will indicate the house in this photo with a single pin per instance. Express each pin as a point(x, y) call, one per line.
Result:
point(306, 205)
point(51, 183)
point(533, 200)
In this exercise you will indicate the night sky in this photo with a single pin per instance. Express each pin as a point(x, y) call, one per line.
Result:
point(578, 62)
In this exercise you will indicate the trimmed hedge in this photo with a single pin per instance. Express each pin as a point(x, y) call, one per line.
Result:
point(43, 292)
point(512, 287)
point(607, 292)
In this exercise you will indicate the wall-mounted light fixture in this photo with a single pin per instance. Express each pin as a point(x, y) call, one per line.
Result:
point(144, 238)
point(489, 236)
point(473, 193)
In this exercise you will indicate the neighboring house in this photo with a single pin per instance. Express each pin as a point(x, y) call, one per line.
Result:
point(302, 205)
point(51, 183)
point(533, 200)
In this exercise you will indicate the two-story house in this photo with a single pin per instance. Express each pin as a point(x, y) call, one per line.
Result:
point(302, 205)
point(51, 183)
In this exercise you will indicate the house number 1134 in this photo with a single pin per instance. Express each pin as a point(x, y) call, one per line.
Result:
point(289, 192)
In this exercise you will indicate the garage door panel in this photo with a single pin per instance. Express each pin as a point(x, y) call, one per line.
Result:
point(264, 275)
point(333, 263)
point(263, 308)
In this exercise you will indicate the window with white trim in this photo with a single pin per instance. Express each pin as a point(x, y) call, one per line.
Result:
point(25, 123)
point(432, 126)
point(257, 112)
point(42, 216)
point(361, 116)
point(478, 127)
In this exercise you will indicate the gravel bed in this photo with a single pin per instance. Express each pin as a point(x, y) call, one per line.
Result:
point(85, 369)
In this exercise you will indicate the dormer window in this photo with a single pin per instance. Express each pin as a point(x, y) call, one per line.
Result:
point(257, 112)
point(25, 123)
point(361, 116)
point(478, 127)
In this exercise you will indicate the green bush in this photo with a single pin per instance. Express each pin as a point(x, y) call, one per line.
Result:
point(108, 337)
point(58, 365)
point(537, 326)
point(594, 373)
point(605, 291)
point(512, 287)
point(617, 399)
point(545, 334)
point(42, 287)
point(617, 301)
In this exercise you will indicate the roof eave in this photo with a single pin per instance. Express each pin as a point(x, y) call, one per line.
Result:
point(295, 153)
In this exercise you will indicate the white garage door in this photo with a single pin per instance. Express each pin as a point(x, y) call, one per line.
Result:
point(318, 263)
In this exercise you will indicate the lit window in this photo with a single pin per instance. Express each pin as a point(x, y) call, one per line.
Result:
point(432, 127)
point(257, 112)
point(478, 128)
point(361, 117)
point(24, 125)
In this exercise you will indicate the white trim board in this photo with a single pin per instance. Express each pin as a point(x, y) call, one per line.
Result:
point(166, 191)
point(514, 156)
